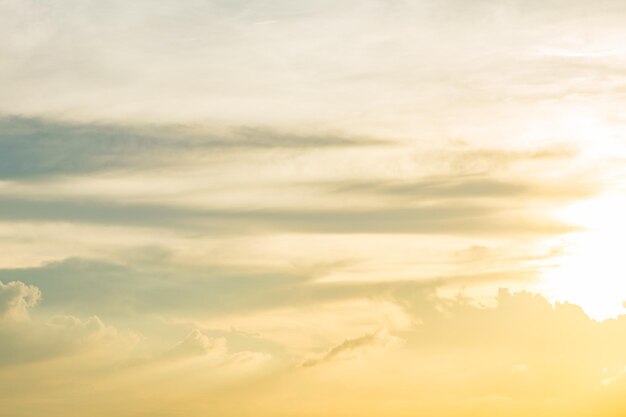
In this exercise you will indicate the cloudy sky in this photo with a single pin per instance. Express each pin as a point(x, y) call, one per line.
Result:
point(312, 208)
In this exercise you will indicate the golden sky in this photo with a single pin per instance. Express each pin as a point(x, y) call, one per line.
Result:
point(312, 208)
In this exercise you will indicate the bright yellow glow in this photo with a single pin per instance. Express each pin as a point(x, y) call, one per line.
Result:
point(591, 272)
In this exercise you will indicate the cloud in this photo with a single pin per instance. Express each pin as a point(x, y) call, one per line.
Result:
point(196, 345)
point(439, 218)
point(457, 187)
point(178, 123)
point(348, 347)
point(32, 148)
point(170, 290)
point(42, 339)
point(16, 298)
point(418, 54)
point(521, 353)
point(62, 337)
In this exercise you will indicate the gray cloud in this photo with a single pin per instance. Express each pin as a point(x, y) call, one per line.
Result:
point(88, 287)
point(380, 338)
point(463, 158)
point(37, 148)
point(457, 187)
point(438, 188)
point(92, 287)
point(453, 218)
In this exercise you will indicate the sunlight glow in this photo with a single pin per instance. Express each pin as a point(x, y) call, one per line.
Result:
point(591, 271)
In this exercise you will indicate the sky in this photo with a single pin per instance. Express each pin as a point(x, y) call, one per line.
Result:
point(312, 208)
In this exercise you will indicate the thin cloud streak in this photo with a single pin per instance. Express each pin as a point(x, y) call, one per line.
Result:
point(37, 148)
point(449, 219)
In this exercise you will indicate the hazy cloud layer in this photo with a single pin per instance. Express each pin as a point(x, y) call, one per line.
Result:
point(312, 208)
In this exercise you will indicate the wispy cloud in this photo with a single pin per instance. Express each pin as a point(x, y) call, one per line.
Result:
point(427, 219)
point(38, 148)
point(350, 346)
point(459, 187)
point(118, 290)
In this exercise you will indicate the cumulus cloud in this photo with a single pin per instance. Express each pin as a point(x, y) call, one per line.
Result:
point(82, 332)
point(196, 345)
point(16, 298)
point(50, 337)
point(521, 355)
point(522, 351)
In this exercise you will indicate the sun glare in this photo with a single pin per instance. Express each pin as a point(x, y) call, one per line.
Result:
point(591, 272)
